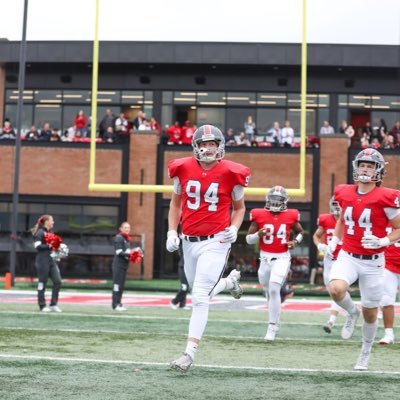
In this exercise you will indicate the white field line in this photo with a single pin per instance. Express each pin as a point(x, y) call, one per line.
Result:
point(173, 334)
point(231, 367)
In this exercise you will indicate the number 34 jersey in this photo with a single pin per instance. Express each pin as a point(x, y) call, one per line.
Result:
point(207, 194)
point(364, 214)
point(277, 226)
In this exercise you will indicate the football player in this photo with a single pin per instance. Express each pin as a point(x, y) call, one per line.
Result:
point(206, 189)
point(391, 280)
point(271, 226)
point(366, 209)
point(322, 236)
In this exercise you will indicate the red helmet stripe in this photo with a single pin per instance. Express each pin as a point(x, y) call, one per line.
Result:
point(207, 129)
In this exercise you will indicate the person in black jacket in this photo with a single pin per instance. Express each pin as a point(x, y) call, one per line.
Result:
point(45, 265)
point(120, 264)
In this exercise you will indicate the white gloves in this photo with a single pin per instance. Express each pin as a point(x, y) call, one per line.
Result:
point(330, 249)
point(373, 242)
point(230, 234)
point(322, 248)
point(172, 241)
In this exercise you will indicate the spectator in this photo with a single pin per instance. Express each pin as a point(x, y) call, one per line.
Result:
point(395, 132)
point(250, 128)
point(144, 125)
point(326, 129)
point(347, 130)
point(364, 140)
point(139, 119)
point(45, 133)
point(55, 136)
point(106, 122)
point(109, 136)
point(187, 133)
point(275, 132)
point(32, 134)
point(69, 134)
point(242, 140)
point(368, 130)
point(8, 131)
point(287, 135)
point(175, 133)
point(387, 140)
point(80, 123)
point(121, 125)
point(154, 125)
point(230, 138)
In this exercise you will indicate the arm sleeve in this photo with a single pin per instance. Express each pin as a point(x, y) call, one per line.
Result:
point(119, 247)
point(237, 192)
point(38, 241)
point(177, 186)
point(392, 212)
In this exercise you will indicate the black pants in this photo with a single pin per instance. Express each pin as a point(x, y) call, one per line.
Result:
point(46, 269)
point(180, 297)
point(119, 276)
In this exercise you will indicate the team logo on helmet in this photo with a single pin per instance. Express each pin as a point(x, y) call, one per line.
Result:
point(276, 200)
point(370, 156)
point(208, 133)
point(334, 207)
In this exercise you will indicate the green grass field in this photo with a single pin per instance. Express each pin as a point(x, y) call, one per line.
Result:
point(92, 353)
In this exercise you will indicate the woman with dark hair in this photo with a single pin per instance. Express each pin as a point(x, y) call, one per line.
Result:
point(46, 244)
point(123, 254)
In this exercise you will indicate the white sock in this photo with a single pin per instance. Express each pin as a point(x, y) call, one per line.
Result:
point(191, 348)
point(389, 332)
point(368, 335)
point(274, 305)
point(223, 284)
point(348, 304)
point(332, 319)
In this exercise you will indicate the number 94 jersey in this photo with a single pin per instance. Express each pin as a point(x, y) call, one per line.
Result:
point(277, 226)
point(365, 214)
point(207, 194)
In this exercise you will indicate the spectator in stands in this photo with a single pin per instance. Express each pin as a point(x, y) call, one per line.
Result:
point(55, 136)
point(250, 128)
point(395, 132)
point(387, 140)
point(45, 133)
point(109, 136)
point(144, 125)
point(121, 125)
point(7, 132)
point(138, 120)
point(326, 129)
point(69, 134)
point(368, 130)
point(154, 125)
point(347, 129)
point(32, 134)
point(242, 140)
point(80, 123)
point(187, 132)
point(275, 132)
point(287, 135)
point(364, 140)
point(106, 122)
point(230, 138)
point(175, 133)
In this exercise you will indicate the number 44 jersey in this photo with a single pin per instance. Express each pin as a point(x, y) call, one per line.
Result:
point(277, 228)
point(207, 194)
point(365, 214)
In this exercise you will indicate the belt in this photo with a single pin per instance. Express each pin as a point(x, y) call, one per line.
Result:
point(197, 238)
point(364, 256)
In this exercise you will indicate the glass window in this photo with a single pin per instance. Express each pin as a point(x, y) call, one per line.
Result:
point(211, 98)
point(132, 97)
point(50, 113)
point(267, 116)
point(323, 100)
point(386, 102)
point(293, 115)
point(359, 101)
point(167, 97)
point(342, 98)
point(294, 100)
point(240, 98)
point(48, 96)
point(166, 116)
point(100, 210)
point(185, 97)
point(26, 118)
point(390, 117)
point(12, 96)
point(236, 117)
point(213, 116)
point(323, 115)
point(76, 96)
point(342, 115)
point(108, 96)
point(271, 99)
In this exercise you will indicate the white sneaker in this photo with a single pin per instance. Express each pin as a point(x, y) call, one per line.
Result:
point(271, 332)
point(328, 327)
point(350, 324)
point(55, 309)
point(45, 309)
point(182, 364)
point(173, 306)
point(236, 291)
point(120, 308)
point(387, 339)
point(362, 361)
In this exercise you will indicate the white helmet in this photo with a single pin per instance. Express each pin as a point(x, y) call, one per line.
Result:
point(371, 156)
point(276, 200)
point(334, 207)
point(208, 133)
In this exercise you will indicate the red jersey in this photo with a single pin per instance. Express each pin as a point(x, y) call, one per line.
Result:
point(207, 194)
point(392, 255)
point(364, 214)
point(328, 223)
point(187, 134)
point(277, 225)
point(175, 134)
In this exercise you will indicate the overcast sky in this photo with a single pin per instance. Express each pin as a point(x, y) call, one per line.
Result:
point(329, 21)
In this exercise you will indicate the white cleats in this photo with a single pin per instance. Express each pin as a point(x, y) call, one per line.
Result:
point(236, 291)
point(271, 332)
point(55, 309)
point(387, 339)
point(173, 306)
point(328, 327)
point(120, 308)
point(45, 309)
point(362, 361)
point(182, 364)
point(350, 324)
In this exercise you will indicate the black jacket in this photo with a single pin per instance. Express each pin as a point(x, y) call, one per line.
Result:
point(43, 249)
point(121, 259)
